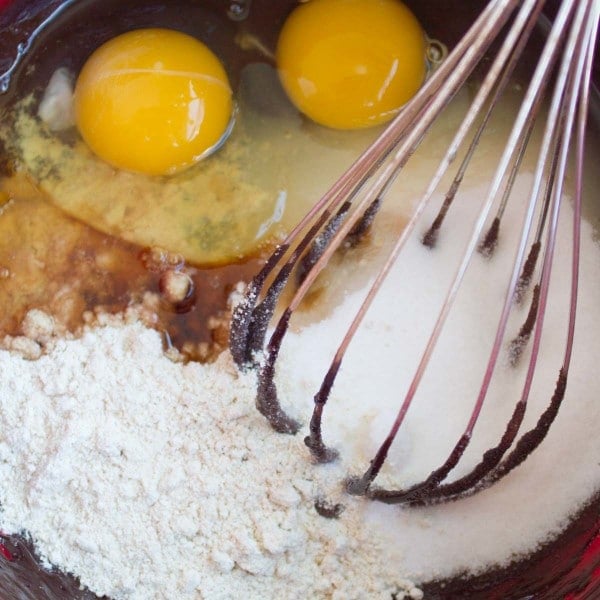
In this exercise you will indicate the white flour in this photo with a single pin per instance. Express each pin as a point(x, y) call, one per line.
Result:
point(150, 480)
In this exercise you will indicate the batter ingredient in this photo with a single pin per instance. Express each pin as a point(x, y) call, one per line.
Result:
point(219, 225)
point(224, 210)
point(149, 479)
point(154, 101)
point(63, 267)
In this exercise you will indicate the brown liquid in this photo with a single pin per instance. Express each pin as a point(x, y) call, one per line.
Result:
point(52, 262)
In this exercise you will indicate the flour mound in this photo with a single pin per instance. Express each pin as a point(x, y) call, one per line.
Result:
point(149, 479)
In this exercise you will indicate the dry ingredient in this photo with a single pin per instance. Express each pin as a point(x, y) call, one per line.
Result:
point(151, 479)
point(536, 501)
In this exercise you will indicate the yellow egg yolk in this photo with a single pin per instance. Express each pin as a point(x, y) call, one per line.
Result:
point(348, 64)
point(153, 101)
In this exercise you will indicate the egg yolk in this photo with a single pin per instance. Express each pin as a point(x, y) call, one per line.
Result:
point(348, 64)
point(153, 101)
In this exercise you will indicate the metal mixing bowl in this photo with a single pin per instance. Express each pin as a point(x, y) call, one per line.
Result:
point(39, 31)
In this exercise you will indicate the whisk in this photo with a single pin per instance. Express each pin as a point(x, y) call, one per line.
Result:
point(346, 212)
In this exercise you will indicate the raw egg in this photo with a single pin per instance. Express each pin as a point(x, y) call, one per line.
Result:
point(153, 101)
point(349, 64)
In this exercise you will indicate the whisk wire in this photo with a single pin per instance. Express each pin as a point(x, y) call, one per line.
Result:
point(580, 82)
point(430, 237)
point(248, 325)
point(493, 456)
point(531, 439)
point(363, 484)
point(348, 208)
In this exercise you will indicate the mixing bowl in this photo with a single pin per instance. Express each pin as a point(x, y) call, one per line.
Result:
point(37, 31)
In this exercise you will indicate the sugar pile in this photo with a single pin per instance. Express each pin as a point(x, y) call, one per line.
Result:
point(150, 479)
point(537, 499)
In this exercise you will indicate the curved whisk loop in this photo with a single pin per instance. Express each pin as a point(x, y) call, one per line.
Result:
point(571, 84)
point(347, 210)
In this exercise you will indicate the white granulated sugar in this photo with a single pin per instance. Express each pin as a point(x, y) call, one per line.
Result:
point(150, 479)
point(534, 501)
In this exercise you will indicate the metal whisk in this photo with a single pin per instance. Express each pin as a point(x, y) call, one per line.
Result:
point(346, 212)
